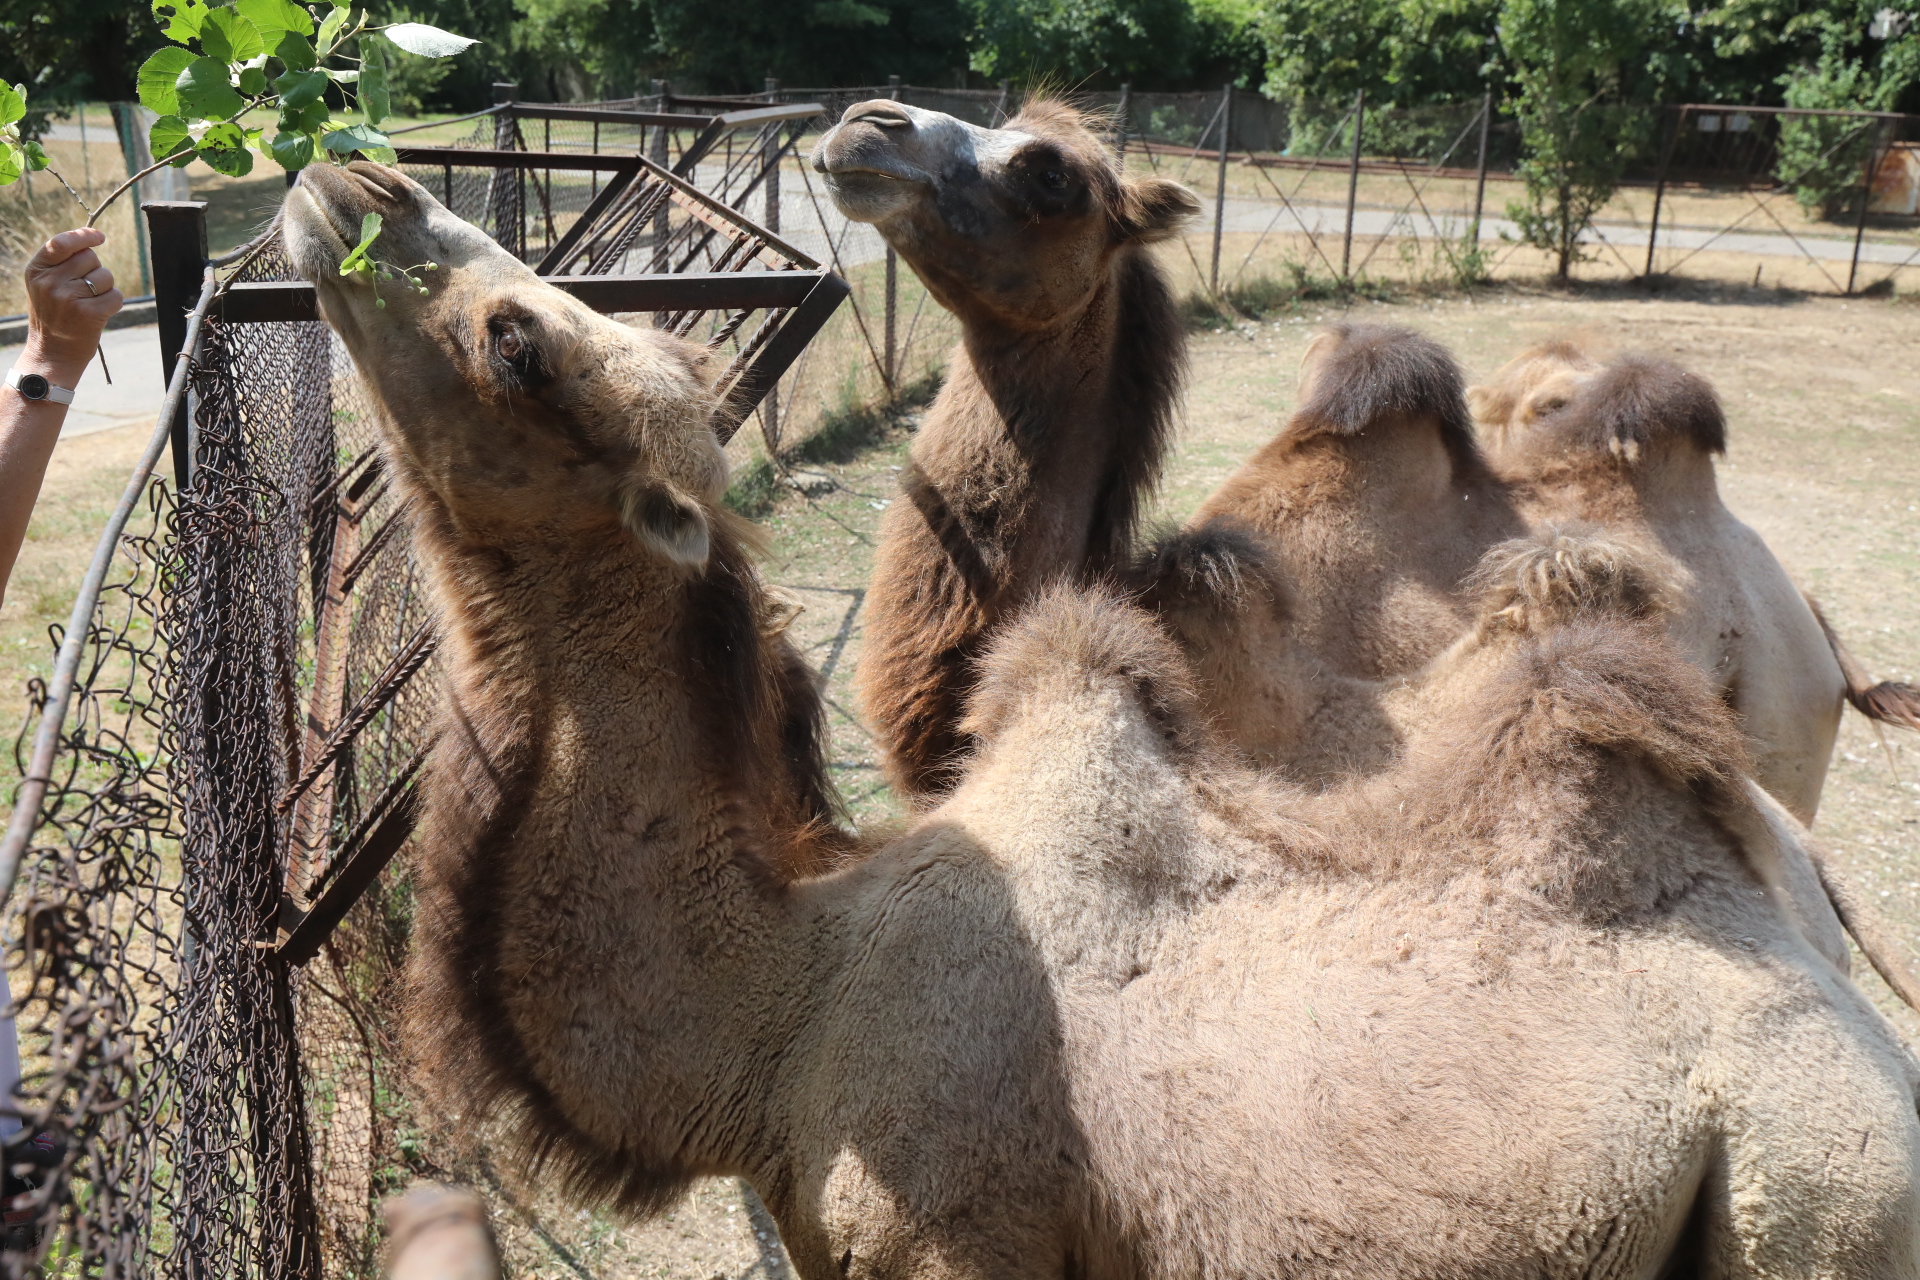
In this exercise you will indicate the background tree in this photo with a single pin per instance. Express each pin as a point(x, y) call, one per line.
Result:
point(1402, 52)
point(1575, 67)
point(1154, 44)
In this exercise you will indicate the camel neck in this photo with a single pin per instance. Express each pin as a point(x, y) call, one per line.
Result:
point(590, 885)
point(1048, 441)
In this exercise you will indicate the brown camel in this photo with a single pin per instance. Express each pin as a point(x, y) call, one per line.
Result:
point(1524, 1004)
point(1629, 445)
point(1058, 403)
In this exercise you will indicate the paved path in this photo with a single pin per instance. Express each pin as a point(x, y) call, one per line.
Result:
point(134, 397)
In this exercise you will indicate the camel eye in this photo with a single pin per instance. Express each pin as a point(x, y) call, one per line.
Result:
point(509, 345)
point(1053, 179)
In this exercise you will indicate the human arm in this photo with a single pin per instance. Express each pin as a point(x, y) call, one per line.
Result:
point(70, 297)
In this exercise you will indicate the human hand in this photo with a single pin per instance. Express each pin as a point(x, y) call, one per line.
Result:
point(70, 297)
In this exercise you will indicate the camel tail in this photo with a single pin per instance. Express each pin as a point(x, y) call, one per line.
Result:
point(1889, 701)
point(1869, 928)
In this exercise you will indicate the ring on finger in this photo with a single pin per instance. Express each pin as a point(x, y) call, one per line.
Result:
point(89, 283)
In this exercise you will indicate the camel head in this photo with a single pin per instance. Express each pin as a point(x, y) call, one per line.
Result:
point(517, 409)
point(1018, 224)
point(1528, 389)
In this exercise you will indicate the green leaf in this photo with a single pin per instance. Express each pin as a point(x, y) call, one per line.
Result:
point(224, 149)
point(343, 75)
point(205, 92)
point(180, 19)
point(12, 164)
point(359, 137)
point(36, 156)
point(168, 137)
point(428, 42)
point(356, 260)
point(304, 119)
point(13, 105)
point(253, 82)
point(295, 51)
point(381, 155)
point(375, 101)
point(272, 17)
point(242, 38)
point(157, 77)
point(330, 29)
point(294, 151)
point(298, 88)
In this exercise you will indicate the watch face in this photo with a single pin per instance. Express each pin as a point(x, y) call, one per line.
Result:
point(33, 386)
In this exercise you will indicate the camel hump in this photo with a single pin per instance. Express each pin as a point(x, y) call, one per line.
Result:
point(1072, 637)
point(1218, 569)
point(1550, 578)
point(1360, 377)
point(1888, 701)
point(1639, 401)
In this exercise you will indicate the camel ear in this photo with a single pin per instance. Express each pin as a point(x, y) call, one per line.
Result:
point(668, 521)
point(1488, 405)
point(1154, 208)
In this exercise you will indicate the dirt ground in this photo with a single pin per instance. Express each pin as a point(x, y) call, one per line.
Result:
point(1824, 403)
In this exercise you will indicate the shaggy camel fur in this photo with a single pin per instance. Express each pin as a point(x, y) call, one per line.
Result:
point(1629, 445)
point(1058, 402)
point(1525, 1005)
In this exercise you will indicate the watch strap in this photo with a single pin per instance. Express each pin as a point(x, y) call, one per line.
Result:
point(58, 395)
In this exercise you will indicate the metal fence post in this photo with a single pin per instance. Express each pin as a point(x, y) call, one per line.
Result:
point(1353, 181)
point(1220, 184)
point(892, 370)
point(178, 232)
point(1660, 188)
point(505, 196)
point(770, 167)
point(1120, 124)
point(658, 155)
point(1000, 107)
point(126, 123)
point(1866, 199)
point(1480, 175)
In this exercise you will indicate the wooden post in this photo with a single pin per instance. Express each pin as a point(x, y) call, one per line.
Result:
point(1866, 198)
point(1353, 180)
point(1660, 188)
point(178, 232)
point(1120, 130)
point(1220, 184)
point(1480, 178)
point(1000, 107)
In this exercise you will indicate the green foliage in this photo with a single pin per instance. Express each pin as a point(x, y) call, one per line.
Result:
point(1402, 52)
point(1151, 43)
point(253, 54)
point(1573, 63)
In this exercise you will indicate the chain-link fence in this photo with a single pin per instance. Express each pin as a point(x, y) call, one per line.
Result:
point(208, 924)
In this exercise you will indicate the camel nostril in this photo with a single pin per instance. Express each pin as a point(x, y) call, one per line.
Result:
point(887, 115)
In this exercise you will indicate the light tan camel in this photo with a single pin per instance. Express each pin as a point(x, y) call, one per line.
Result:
point(1629, 445)
point(1526, 1004)
point(1058, 403)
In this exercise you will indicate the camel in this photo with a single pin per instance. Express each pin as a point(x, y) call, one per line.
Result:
point(1527, 1003)
point(1629, 445)
point(1057, 409)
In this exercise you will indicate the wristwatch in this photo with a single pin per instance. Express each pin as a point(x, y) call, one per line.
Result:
point(35, 386)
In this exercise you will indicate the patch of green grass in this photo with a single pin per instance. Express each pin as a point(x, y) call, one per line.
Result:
point(1263, 296)
point(850, 430)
